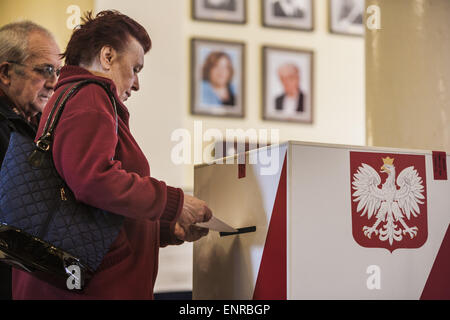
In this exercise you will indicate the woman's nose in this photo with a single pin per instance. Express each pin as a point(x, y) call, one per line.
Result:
point(136, 84)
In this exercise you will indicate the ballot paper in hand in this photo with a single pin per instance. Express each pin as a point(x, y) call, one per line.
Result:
point(216, 225)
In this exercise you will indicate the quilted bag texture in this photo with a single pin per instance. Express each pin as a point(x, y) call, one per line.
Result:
point(36, 200)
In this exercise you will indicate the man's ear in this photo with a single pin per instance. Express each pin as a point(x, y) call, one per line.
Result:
point(107, 55)
point(5, 70)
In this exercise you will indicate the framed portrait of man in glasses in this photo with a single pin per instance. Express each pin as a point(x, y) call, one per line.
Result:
point(228, 11)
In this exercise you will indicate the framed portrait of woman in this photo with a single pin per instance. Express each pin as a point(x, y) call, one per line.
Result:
point(288, 84)
point(346, 17)
point(288, 14)
point(217, 78)
point(228, 11)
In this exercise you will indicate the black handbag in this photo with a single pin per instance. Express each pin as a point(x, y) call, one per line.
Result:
point(44, 230)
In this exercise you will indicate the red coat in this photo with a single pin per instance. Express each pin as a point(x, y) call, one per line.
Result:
point(84, 144)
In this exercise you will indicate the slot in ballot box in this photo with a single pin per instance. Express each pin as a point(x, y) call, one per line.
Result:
point(332, 222)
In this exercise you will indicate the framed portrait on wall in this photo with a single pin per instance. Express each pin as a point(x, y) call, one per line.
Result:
point(217, 77)
point(288, 84)
point(288, 14)
point(346, 17)
point(229, 11)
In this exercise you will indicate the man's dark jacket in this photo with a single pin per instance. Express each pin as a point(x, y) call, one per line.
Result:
point(9, 120)
point(279, 102)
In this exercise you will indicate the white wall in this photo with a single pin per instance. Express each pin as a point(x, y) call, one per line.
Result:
point(162, 105)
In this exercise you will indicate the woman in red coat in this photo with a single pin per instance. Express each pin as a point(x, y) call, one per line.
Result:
point(111, 48)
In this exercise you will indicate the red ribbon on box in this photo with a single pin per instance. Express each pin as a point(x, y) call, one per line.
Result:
point(241, 171)
point(440, 165)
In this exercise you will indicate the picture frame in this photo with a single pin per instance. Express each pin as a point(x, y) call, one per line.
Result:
point(224, 11)
point(288, 84)
point(217, 78)
point(288, 14)
point(346, 17)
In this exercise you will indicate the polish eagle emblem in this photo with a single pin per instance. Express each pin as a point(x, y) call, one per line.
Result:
point(394, 205)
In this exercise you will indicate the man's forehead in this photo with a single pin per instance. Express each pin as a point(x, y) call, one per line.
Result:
point(289, 67)
point(43, 49)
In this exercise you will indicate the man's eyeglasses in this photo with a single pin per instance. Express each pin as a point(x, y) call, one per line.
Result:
point(46, 70)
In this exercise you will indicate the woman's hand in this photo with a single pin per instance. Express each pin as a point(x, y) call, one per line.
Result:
point(194, 211)
point(190, 233)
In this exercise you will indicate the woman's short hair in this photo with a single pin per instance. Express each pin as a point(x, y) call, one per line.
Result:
point(107, 28)
point(211, 61)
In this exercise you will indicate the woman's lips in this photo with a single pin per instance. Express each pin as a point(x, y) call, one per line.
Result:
point(44, 98)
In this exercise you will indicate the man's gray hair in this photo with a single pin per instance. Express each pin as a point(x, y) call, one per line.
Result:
point(14, 40)
point(288, 68)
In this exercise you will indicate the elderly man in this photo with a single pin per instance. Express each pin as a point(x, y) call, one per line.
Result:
point(291, 101)
point(29, 69)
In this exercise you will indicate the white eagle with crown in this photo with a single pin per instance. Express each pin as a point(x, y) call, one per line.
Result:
point(390, 204)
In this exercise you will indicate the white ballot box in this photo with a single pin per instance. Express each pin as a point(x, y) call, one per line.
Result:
point(332, 222)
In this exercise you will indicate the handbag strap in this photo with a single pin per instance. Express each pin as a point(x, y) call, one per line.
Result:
point(44, 142)
point(47, 123)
